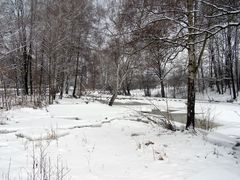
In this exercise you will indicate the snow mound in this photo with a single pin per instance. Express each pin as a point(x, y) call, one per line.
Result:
point(215, 173)
point(51, 135)
point(220, 139)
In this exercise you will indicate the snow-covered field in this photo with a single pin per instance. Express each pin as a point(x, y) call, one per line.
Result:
point(92, 141)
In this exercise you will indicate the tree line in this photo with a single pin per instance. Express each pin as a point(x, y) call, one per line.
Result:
point(53, 47)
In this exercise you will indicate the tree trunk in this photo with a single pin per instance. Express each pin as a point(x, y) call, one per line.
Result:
point(236, 54)
point(32, 17)
point(162, 89)
point(41, 75)
point(147, 91)
point(62, 85)
point(76, 77)
point(219, 68)
point(128, 89)
point(81, 88)
point(124, 90)
point(114, 96)
point(30, 70)
point(174, 91)
point(117, 87)
point(67, 85)
point(191, 103)
point(215, 69)
point(25, 70)
point(203, 81)
point(191, 67)
point(50, 101)
point(230, 61)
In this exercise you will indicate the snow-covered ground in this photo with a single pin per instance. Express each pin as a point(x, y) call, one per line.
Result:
point(93, 141)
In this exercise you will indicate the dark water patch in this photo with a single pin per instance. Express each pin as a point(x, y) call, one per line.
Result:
point(202, 123)
point(117, 103)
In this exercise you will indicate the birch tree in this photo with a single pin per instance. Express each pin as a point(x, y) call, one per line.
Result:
point(192, 23)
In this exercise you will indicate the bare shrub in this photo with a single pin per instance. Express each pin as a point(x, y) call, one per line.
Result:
point(43, 166)
point(206, 121)
point(167, 120)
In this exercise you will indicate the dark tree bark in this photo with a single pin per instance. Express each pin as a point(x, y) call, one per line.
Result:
point(62, 79)
point(128, 90)
point(30, 59)
point(219, 68)
point(76, 77)
point(114, 96)
point(50, 89)
point(230, 61)
point(203, 79)
point(162, 89)
point(214, 63)
point(82, 77)
point(191, 103)
point(25, 70)
point(191, 67)
point(67, 85)
point(236, 58)
point(41, 74)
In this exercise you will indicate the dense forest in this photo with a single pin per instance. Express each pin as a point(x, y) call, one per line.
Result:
point(49, 48)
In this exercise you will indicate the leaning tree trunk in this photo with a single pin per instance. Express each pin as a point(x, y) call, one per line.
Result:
point(114, 96)
point(119, 82)
point(118, 86)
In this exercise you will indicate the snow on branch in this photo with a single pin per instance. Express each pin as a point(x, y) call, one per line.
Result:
point(226, 12)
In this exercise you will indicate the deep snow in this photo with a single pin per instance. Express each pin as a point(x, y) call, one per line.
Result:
point(95, 141)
